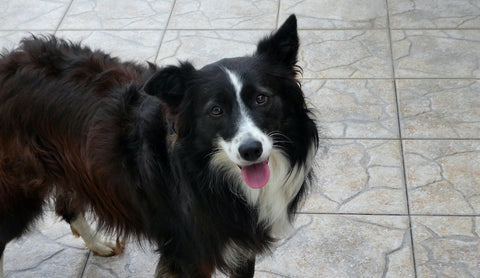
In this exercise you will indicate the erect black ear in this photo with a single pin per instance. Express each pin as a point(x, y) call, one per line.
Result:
point(169, 84)
point(282, 45)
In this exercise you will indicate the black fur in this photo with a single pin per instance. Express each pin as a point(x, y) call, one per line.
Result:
point(133, 144)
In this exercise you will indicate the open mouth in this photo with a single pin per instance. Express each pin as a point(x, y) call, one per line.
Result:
point(256, 175)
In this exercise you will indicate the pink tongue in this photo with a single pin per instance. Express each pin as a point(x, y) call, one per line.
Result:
point(256, 175)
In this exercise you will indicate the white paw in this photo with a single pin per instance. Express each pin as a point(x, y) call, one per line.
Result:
point(104, 247)
point(95, 241)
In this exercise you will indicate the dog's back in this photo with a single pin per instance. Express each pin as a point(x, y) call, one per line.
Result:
point(53, 58)
point(56, 98)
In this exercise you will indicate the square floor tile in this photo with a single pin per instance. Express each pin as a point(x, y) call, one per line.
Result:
point(354, 108)
point(32, 15)
point(139, 46)
point(111, 14)
point(439, 108)
point(443, 176)
point(345, 54)
point(434, 14)
point(343, 246)
point(212, 14)
point(205, 47)
point(336, 14)
point(50, 250)
point(358, 176)
point(446, 246)
point(436, 53)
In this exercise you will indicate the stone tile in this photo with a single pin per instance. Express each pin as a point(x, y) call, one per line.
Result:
point(439, 108)
point(205, 47)
point(340, 54)
point(111, 14)
point(446, 246)
point(335, 14)
point(140, 46)
point(212, 14)
point(343, 246)
point(345, 54)
point(354, 108)
point(443, 177)
point(28, 15)
point(434, 14)
point(135, 261)
point(436, 53)
point(358, 176)
point(50, 250)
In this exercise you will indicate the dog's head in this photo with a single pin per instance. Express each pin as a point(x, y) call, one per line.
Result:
point(241, 108)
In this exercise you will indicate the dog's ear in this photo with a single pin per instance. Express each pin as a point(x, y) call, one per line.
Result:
point(169, 84)
point(282, 45)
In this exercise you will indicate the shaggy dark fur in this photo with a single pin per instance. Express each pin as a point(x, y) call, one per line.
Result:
point(125, 141)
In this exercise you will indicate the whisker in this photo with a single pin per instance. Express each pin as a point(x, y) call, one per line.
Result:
point(279, 137)
point(213, 152)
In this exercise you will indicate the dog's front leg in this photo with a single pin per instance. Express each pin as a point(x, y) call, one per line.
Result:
point(96, 242)
point(245, 270)
point(168, 268)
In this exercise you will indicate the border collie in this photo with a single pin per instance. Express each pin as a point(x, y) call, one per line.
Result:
point(209, 164)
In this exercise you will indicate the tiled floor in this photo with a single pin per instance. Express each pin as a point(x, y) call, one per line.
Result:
point(396, 84)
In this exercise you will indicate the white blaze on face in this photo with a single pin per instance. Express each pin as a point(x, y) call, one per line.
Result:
point(255, 170)
point(272, 198)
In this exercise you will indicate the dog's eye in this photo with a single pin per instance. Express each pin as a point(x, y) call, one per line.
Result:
point(261, 99)
point(216, 111)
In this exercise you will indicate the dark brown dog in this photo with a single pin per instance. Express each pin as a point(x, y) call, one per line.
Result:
point(209, 165)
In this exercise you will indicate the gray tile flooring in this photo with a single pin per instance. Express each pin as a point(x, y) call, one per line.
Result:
point(396, 87)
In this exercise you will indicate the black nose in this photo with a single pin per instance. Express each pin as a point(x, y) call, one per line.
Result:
point(251, 150)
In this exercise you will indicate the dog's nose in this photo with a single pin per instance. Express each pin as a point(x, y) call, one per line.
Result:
point(251, 150)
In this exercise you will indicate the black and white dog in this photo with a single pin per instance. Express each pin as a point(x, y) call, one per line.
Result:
point(209, 165)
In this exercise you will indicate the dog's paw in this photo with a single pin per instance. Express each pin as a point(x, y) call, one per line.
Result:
point(104, 247)
point(98, 243)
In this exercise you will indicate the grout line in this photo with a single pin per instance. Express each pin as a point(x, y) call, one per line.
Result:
point(85, 265)
point(399, 139)
point(278, 14)
point(228, 29)
point(151, 29)
point(435, 29)
point(437, 78)
point(402, 156)
point(164, 32)
point(390, 78)
point(388, 214)
point(439, 139)
point(63, 17)
point(407, 198)
point(352, 213)
point(359, 138)
point(445, 215)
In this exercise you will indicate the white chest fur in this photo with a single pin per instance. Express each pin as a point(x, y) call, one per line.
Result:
point(273, 199)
